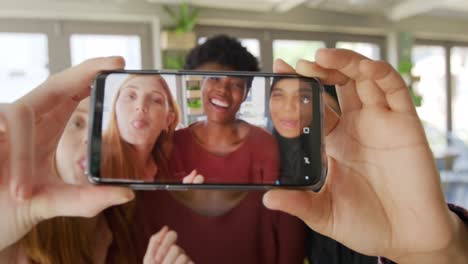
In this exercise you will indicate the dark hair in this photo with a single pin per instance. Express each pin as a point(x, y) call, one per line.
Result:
point(331, 90)
point(224, 50)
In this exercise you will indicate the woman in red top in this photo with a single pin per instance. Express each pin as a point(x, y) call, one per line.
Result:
point(222, 142)
point(216, 226)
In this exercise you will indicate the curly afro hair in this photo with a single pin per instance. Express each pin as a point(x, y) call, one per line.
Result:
point(224, 50)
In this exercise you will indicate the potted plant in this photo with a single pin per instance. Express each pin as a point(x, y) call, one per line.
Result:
point(180, 36)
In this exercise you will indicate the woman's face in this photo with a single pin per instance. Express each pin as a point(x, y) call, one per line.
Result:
point(142, 110)
point(291, 107)
point(222, 96)
point(71, 151)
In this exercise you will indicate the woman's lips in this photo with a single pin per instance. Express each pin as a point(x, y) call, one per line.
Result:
point(139, 123)
point(289, 124)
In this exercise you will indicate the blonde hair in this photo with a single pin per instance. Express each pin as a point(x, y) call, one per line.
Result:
point(117, 160)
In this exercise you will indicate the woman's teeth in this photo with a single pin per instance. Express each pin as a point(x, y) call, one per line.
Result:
point(219, 103)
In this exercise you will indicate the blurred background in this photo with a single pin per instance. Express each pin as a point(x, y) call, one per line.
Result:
point(426, 40)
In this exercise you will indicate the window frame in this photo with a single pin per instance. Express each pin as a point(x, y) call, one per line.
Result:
point(449, 84)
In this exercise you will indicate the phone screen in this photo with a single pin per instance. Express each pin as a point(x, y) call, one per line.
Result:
point(153, 128)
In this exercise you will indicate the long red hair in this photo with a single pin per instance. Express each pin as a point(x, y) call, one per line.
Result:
point(66, 240)
point(117, 159)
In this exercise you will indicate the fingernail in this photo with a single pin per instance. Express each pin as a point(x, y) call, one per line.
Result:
point(266, 200)
point(127, 196)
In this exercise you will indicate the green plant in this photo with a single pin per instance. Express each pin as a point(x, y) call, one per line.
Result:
point(193, 88)
point(185, 19)
point(173, 61)
point(194, 103)
point(404, 68)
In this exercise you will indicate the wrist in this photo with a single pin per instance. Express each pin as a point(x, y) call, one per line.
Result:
point(453, 253)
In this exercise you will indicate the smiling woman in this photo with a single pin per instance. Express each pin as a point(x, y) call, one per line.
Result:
point(222, 97)
point(224, 138)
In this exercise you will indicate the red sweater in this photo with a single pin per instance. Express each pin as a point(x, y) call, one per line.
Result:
point(255, 161)
point(248, 233)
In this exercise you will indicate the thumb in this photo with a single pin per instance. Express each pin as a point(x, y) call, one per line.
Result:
point(189, 178)
point(312, 208)
point(81, 201)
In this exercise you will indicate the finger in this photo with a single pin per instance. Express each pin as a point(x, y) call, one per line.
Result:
point(344, 61)
point(174, 252)
point(389, 82)
point(326, 76)
point(189, 178)
point(348, 98)
point(168, 241)
point(280, 66)
point(182, 259)
point(312, 208)
point(199, 179)
point(71, 85)
point(153, 245)
point(370, 95)
point(59, 199)
point(20, 120)
point(331, 119)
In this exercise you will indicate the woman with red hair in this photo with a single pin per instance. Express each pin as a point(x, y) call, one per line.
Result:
point(138, 140)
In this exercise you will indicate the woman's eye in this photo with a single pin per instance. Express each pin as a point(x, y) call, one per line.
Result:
point(158, 100)
point(276, 95)
point(214, 78)
point(131, 96)
point(305, 99)
point(238, 85)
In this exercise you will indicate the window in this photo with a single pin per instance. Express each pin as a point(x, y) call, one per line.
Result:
point(446, 131)
point(459, 63)
point(89, 46)
point(24, 64)
point(370, 50)
point(429, 64)
point(293, 50)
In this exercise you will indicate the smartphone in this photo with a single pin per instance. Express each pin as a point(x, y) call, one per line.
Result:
point(238, 130)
